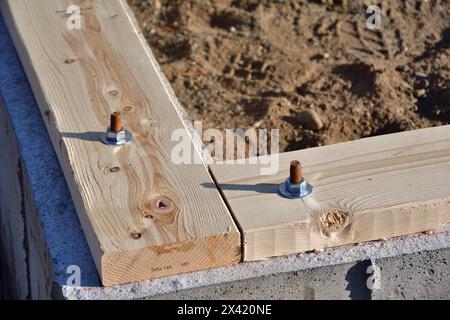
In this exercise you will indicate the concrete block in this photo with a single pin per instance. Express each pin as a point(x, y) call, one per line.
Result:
point(424, 275)
point(328, 282)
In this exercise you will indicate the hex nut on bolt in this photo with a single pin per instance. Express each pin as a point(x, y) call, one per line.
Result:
point(116, 135)
point(295, 186)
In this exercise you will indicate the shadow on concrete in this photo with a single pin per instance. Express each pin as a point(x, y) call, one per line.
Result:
point(1, 282)
point(357, 281)
point(7, 291)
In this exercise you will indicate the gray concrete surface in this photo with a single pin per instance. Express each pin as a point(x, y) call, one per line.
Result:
point(41, 236)
point(329, 282)
point(3, 281)
point(423, 275)
point(244, 272)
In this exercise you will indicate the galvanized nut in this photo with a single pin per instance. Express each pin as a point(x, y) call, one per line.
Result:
point(295, 185)
point(119, 137)
point(116, 135)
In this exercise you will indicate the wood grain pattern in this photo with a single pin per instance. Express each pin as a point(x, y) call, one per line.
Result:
point(79, 77)
point(369, 189)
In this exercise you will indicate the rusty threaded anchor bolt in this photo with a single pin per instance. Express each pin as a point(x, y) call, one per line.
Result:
point(296, 185)
point(116, 135)
point(295, 172)
point(116, 122)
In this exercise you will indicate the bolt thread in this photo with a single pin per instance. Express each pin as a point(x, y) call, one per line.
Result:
point(295, 171)
point(116, 122)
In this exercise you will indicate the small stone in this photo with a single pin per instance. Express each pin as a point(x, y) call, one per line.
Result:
point(232, 29)
point(245, 34)
point(403, 68)
point(420, 93)
point(310, 119)
point(420, 75)
point(424, 83)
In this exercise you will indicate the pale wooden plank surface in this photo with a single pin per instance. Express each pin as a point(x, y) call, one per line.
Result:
point(79, 77)
point(383, 187)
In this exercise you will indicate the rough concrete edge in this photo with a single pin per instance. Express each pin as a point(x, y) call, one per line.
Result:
point(333, 256)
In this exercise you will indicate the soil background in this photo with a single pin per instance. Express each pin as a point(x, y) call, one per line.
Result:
point(312, 69)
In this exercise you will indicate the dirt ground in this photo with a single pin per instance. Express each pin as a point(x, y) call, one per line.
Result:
point(312, 69)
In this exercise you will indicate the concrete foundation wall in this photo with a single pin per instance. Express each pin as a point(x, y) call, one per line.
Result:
point(422, 275)
point(26, 269)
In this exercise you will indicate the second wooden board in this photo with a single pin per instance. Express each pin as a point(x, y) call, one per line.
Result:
point(369, 189)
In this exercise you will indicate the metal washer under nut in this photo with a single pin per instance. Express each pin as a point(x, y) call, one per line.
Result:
point(296, 186)
point(116, 135)
point(127, 137)
point(295, 191)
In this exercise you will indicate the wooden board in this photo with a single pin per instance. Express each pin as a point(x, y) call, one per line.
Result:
point(79, 77)
point(369, 189)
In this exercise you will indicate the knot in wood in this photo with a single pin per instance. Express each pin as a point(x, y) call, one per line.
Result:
point(162, 209)
point(334, 220)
